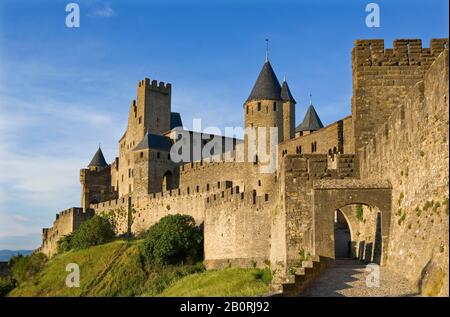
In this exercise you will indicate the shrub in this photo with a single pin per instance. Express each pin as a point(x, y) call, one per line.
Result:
point(24, 268)
point(7, 284)
point(265, 275)
point(175, 239)
point(64, 243)
point(97, 230)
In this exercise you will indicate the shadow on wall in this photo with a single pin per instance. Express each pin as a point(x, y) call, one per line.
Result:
point(370, 252)
point(342, 236)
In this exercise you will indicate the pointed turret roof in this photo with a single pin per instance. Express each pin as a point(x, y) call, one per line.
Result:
point(98, 159)
point(266, 86)
point(286, 93)
point(311, 122)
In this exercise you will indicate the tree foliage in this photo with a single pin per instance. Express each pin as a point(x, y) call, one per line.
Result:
point(175, 239)
point(24, 268)
point(95, 231)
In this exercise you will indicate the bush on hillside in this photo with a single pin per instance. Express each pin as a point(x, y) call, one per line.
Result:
point(7, 284)
point(95, 231)
point(175, 239)
point(64, 243)
point(24, 268)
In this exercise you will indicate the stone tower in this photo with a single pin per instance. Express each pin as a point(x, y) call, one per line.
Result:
point(288, 112)
point(96, 181)
point(150, 113)
point(264, 106)
point(268, 106)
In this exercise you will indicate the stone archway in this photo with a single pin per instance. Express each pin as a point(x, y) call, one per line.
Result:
point(342, 236)
point(330, 195)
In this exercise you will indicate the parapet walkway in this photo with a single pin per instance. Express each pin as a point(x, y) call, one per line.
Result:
point(347, 278)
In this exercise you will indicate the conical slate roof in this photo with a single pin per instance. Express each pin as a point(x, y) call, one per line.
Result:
point(286, 93)
point(311, 122)
point(154, 141)
point(98, 159)
point(267, 85)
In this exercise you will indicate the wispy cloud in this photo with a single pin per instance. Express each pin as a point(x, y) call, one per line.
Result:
point(105, 12)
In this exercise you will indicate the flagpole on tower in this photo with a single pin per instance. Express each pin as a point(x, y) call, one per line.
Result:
point(267, 50)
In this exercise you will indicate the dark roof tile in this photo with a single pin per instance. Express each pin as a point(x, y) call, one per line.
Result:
point(98, 159)
point(286, 93)
point(311, 122)
point(154, 141)
point(266, 86)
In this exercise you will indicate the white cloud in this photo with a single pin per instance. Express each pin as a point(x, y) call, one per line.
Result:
point(12, 225)
point(106, 12)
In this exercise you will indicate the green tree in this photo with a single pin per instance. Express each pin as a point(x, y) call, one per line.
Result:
point(97, 230)
point(7, 284)
point(64, 243)
point(175, 239)
point(25, 267)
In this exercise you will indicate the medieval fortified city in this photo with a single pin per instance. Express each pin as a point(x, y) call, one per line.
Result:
point(291, 203)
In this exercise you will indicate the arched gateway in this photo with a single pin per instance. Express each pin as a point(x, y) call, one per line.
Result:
point(332, 195)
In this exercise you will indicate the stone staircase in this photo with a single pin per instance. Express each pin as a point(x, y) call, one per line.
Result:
point(303, 276)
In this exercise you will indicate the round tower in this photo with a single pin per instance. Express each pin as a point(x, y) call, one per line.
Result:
point(263, 111)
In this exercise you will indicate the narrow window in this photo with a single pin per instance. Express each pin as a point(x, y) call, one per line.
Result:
point(259, 182)
point(274, 106)
point(142, 154)
point(140, 120)
point(158, 155)
point(259, 106)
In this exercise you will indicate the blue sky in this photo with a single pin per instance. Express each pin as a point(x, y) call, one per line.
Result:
point(62, 91)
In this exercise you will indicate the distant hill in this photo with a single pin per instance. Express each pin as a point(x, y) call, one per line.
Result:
point(5, 255)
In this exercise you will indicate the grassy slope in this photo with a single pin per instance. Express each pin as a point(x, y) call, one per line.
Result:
point(227, 282)
point(116, 269)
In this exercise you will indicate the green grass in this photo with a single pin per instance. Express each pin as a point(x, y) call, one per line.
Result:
point(226, 282)
point(118, 269)
point(112, 269)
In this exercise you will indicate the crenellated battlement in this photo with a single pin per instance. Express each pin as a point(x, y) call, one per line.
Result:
point(405, 52)
point(318, 166)
point(154, 85)
point(65, 222)
point(237, 198)
point(205, 164)
point(74, 211)
point(182, 192)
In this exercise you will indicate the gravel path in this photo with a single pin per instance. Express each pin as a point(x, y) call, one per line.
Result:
point(348, 278)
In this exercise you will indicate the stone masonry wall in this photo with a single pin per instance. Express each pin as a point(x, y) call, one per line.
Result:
point(291, 217)
point(66, 222)
point(237, 229)
point(383, 77)
point(410, 149)
point(336, 136)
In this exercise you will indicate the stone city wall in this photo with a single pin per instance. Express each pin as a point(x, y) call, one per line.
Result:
point(410, 149)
